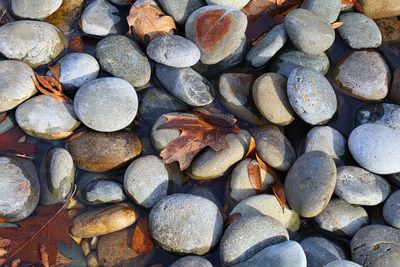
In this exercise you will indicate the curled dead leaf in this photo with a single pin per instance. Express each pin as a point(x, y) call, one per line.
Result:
point(232, 218)
point(279, 192)
point(44, 256)
point(252, 147)
point(51, 86)
point(141, 240)
point(336, 24)
point(254, 173)
point(11, 144)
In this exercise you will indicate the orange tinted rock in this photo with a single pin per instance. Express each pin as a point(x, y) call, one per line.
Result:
point(381, 9)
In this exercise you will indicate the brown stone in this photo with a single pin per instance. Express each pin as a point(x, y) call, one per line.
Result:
point(100, 152)
point(395, 89)
point(390, 29)
point(66, 16)
point(377, 9)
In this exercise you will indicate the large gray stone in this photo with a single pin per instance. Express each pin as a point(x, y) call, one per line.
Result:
point(391, 209)
point(180, 10)
point(327, 9)
point(34, 9)
point(326, 139)
point(320, 251)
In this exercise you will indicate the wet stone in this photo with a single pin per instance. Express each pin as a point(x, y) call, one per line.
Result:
point(106, 104)
point(103, 192)
point(57, 175)
point(123, 58)
point(180, 10)
point(34, 9)
point(16, 84)
point(45, 117)
point(391, 211)
point(191, 261)
point(328, 10)
point(359, 31)
point(326, 139)
point(19, 189)
point(320, 251)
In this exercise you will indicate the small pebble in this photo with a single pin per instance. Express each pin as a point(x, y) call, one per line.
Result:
point(328, 10)
point(391, 209)
point(320, 251)
point(180, 10)
point(103, 192)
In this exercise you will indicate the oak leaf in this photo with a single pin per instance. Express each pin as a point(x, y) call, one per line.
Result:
point(141, 240)
point(207, 128)
point(35, 240)
point(147, 22)
point(11, 144)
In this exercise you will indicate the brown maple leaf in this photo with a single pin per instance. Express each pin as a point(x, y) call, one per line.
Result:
point(11, 144)
point(147, 22)
point(35, 240)
point(51, 86)
point(208, 128)
point(141, 240)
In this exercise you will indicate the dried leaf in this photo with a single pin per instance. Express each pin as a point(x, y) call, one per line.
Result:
point(254, 173)
point(76, 135)
point(3, 117)
point(336, 25)
point(279, 192)
point(50, 86)
point(141, 240)
point(11, 145)
point(76, 44)
point(267, 168)
point(44, 256)
point(56, 71)
point(47, 225)
point(66, 15)
point(232, 218)
point(62, 260)
point(208, 128)
point(252, 147)
point(147, 22)
point(2, 220)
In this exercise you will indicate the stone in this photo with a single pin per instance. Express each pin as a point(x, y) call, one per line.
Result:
point(361, 187)
point(385, 114)
point(231, 61)
point(391, 211)
point(123, 58)
point(359, 31)
point(311, 96)
point(342, 263)
point(395, 89)
point(247, 236)
point(217, 31)
point(210, 164)
point(100, 152)
point(376, 148)
point(288, 253)
point(320, 251)
point(47, 118)
point(390, 29)
point(267, 46)
point(19, 189)
point(274, 148)
point(185, 224)
point(240, 185)
point(376, 245)
point(146, 180)
point(235, 96)
point(309, 32)
point(265, 204)
point(67, 16)
point(328, 10)
point(33, 42)
point(286, 62)
point(239, 4)
point(174, 51)
point(270, 98)
point(76, 69)
point(191, 261)
point(102, 221)
point(340, 216)
point(106, 104)
point(103, 192)
point(57, 176)
point(34, 9)
point(326, 139)
point(363, 75)
point(180, 10)
point(310, 183)
point(100, 18)
point(185, 84)
point(16, 84)
point(381, 9)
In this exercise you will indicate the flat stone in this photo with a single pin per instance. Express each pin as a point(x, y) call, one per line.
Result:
point(274, 148)
point(320, 251)
point(310, 183)
point(267, 47)
point(247, 236)
point(146, 180)
point(180, 10)
point(376, 148)
point(106, 104)
point(340, 216)
point(268, 205)
point(376, 245)
point(326, 139)
point(185, 224)
point(191, 261)
point(328, 10)
point(33, 42)
point(385, 114)
point(210, 164)
point(57, 175)
point(311, 96)
point(103, 192)
point(174, 51)
point(76, 69)
point(103, 221)
point(361, 187)
point(19, 189)
point(391, 211)
point(45, 117)
point(363, 75)
point(216, 30)
point(381, 9)
point(100, 18)
point(34, 9)
point(309, 32)
point(359, 31)
point(100, 152)
point(239, 4)
point(185, 84)
point(288, 253)
point(270, 98)
point(342, 263)
point(16, 84)
point(123, 58)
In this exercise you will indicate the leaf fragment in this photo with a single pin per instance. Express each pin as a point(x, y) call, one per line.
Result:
point(279, 192)
point(252, 148)
point(50, 86)
point(141, 240)
point(254, 173)
point(11, 145)
point(232, 218)
point(336, 24)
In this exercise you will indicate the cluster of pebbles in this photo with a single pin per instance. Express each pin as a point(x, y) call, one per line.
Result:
point(341, 183)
